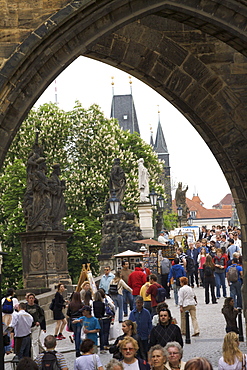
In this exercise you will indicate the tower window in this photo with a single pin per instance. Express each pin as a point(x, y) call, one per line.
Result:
point(125, 116)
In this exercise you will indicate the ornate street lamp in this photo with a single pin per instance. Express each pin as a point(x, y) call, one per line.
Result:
point(161, 204)
point(114, 207)
point(153, 199)
point(180, 214)
point(190, 220)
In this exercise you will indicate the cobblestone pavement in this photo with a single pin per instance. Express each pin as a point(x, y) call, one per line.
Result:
point(208, 344)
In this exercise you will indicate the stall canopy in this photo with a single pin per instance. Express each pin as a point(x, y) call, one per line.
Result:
point(148, 242)
point(128, 253)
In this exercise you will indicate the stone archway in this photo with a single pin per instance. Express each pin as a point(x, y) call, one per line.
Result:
point(192, 52)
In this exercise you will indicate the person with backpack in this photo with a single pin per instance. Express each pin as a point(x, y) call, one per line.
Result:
point(175, 273)
point(234, 274)
point(209, 279)
point(153, 290)
point(8, 304)
point(50, 359)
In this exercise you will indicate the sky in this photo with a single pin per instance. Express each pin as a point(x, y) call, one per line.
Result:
point(90, 81)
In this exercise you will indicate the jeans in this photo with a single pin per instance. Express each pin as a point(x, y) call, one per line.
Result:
point(209, 283)
point(77, 337)
point(175, 291)
point(127, 296)
point(118, 301)
point(235, 293)
point(147, 305)
point(23, 346)
point(220, 281)
point(106, 330)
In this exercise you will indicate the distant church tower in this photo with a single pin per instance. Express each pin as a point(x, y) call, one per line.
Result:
point(123, 109)
point(161, 149)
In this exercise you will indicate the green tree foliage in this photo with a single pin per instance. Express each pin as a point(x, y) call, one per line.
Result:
point(85, 143)
point(170, 220)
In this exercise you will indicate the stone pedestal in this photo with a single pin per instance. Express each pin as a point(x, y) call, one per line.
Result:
point(127, 230)
point(146, 219)
point(44, 258)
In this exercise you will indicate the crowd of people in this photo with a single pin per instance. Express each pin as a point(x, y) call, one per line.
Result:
point(151, 337)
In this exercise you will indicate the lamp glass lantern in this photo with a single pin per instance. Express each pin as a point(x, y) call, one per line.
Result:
point(153, 198)
point(190, 220)
point(161, 202)
point(114, 203)
point(180, 211)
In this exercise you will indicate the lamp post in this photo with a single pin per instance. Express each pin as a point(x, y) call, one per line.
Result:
point(153, 199)
point(180, 213)
point(161, 204)
point(114, 206)
point(190, 220)
point(1, 326)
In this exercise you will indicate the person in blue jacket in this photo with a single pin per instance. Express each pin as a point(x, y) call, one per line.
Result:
point(176, 272)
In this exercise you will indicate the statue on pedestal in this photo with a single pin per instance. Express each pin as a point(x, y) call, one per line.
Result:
point(143, 177)
point(180, 197)
point(58, 207)
point(117, 179)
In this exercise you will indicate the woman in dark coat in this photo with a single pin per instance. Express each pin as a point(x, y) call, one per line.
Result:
point(74, 312)
point(58, 315)
point(230, 313)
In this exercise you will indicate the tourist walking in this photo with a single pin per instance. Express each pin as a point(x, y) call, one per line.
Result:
point(157, 357)
point(58, 315)
point(116, 292)
point(127, 296)
point(230, 314)
point(209, 280)
point(176, 272)
point(129, 348)
point(187, 302)
point(89, 360)
point(74, 311)
point(201, 261)
point(220, 267)
point(232, 358)
point(174, 354)
point(106, 279)
point(137, 279)
point(129, 329)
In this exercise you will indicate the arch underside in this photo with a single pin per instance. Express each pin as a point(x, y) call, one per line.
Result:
point(193, 55)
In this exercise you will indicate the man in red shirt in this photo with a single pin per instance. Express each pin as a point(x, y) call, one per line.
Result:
point(152, 289)
point(136, 280)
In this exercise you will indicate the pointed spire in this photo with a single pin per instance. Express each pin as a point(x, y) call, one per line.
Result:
point(151, 136)
point(160, 144)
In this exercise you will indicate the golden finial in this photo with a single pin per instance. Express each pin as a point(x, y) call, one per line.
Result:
point(112, 82)
point(158, 108)
point(130, 81)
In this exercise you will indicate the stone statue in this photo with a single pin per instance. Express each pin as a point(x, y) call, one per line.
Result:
point(143, 177)
point(180, 197)
point(117, 179)
point(58, 207)
point(41, 207)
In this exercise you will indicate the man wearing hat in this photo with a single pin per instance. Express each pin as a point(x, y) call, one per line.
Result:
point(90, 324)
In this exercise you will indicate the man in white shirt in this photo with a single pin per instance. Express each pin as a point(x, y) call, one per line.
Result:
point(162, 238)
point(22, 322)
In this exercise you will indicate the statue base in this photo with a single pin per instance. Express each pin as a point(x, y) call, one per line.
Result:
point(146, 219)
point(44, 258)
point(125, 228)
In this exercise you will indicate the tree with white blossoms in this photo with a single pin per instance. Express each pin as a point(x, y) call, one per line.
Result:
point(85, 143)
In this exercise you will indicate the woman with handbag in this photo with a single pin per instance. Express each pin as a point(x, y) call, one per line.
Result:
point(116, 291)
point(74, 312)
point(108, 317)
point(233, 358)
point(59, 304)
point(89, 360)
point(99, 313)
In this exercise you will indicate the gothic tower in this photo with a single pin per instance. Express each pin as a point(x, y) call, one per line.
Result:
point(161, 149)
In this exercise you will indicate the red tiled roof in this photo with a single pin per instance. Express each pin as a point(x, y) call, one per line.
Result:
point(202, 212)
point(227, 200)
